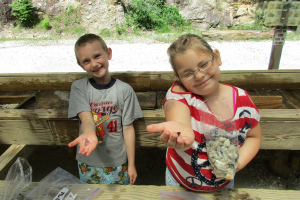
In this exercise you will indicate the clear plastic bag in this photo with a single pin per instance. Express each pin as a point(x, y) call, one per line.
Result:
point(61, 185)
point(18, 178)
point(221, 137)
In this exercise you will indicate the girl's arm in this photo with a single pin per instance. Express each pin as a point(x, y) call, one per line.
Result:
point(176, 132)
point(250, 147)
point(87, 140)
point(129, 138)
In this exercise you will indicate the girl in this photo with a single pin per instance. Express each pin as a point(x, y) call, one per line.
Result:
point(196, 66)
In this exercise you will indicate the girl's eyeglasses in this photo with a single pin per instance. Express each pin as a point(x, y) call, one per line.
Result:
point(190, 75)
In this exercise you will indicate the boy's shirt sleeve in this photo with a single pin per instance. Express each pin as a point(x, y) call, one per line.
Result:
point(132, 109)
point(78, 101)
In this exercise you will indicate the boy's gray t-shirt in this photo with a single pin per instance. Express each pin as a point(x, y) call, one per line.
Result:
point(113, 105)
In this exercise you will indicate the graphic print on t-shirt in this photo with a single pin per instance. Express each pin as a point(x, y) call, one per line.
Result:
point(101, 112)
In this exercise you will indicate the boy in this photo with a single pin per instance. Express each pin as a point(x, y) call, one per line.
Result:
point(106, 108)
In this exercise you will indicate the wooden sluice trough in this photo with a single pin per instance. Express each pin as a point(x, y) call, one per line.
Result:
point(40, 117)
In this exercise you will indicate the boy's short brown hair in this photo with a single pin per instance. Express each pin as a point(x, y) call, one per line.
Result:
point(89, 38)
point(185, 42)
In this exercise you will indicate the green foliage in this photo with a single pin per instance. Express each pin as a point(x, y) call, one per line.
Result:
point(236, 5)
point(105, 32)
point(260, 18)
point(23, 11)
point(153, 15)
point(121, 28)
point(68, 22)
point(45, 24)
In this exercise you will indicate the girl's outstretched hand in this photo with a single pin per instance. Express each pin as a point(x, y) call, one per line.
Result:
point(87, 143)
point(174, 134)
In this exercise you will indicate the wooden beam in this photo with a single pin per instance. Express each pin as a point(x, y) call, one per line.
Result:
point(140, 81)
point(267, 102)
point(12, 99)
point(128, 192)
point(9, 157)
point(32, 132)
point(62, 114)
point(280, 128)
point(152, 81)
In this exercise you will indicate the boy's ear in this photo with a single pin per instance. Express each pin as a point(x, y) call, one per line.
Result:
point(218, 57)
point(109, 53)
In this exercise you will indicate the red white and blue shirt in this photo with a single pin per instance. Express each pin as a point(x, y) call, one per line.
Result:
point(191, 168)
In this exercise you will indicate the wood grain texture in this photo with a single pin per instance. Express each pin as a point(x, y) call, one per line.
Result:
point(142, 192)
point(34, 132)
point(153, 81)
point(280, 127)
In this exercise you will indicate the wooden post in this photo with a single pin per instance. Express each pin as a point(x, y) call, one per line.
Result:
point(278, 42)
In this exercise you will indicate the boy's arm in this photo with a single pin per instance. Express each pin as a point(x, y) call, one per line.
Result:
point(176, 132)
point(129, 138)
point(87, 140)
point(250, 147)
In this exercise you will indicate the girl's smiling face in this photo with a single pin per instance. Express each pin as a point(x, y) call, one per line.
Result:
point(205, 83)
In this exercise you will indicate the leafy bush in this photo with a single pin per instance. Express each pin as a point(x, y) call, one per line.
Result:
point(153, 14)
point(23, 11)
point(45, 23)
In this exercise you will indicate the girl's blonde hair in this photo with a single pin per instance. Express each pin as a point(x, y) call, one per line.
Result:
point(185, 42)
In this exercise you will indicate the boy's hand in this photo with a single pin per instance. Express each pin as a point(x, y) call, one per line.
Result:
point(132, 174)
point(87, 143)
point(174, 134)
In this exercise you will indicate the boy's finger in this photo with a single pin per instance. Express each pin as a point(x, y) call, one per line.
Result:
point(73, 143)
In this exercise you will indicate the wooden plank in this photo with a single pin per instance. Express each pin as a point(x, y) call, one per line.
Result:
point(64, 131)
point(21, 114)
point(12, 99)
point(139, 81)
point(280, 135)
point(141, 192)
point(11, 154)
point(29, 100)
point(267, 102)
point(146, 99)
point(33, 132)
point(285, 135)
point(280, 128)
point(153, 81)
point(62, 114)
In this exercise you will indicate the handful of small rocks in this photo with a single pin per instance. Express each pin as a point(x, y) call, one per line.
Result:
point(223, 155)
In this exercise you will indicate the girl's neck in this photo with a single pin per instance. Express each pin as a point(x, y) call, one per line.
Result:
point(216, 92)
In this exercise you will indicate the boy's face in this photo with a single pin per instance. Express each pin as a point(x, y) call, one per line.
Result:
point(94, 60)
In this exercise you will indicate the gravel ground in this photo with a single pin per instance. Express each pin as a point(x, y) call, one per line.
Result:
point(58, 56)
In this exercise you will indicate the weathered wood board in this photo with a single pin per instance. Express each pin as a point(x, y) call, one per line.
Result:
point(142, 192)
point(280, 128)
point(152, 81)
